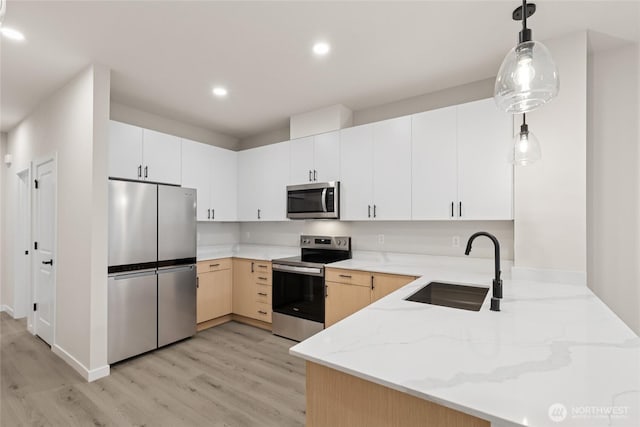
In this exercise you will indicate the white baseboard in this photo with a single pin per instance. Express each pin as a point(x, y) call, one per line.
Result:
point(87, 374)
point(545, 275)
point(7, 309)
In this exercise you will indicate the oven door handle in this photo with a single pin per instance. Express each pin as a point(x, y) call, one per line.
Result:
point(324, 200)
point(315, 271)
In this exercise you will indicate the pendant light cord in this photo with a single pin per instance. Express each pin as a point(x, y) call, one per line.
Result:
point(524, 15)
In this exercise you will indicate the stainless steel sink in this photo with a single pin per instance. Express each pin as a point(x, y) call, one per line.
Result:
point(451, 295)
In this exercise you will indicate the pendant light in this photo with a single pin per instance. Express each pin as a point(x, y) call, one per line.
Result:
point(526, 148)
point(528, 77)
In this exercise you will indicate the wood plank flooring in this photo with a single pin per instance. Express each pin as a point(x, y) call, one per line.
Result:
point(230, 375)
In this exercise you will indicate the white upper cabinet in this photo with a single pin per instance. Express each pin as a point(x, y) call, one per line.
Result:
point(326, 157)
point(485, 177)
point(392, 169)
point(212, 171)
point(356, 173)
point(301, 160)
point(196, 173)
point(434, 165)
point(263, 175)
point(224, 185)
point(460, 168)
point(161, 155)
point(142, 154)
point(315, 158)
point(125, 151)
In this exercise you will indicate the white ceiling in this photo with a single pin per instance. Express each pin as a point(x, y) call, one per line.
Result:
point(166, 56)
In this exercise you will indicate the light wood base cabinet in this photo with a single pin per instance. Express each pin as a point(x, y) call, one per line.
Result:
point(214, 289)
point(337, 399)
point(252, 289)
point(348, 291)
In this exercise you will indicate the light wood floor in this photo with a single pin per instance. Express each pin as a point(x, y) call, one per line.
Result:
point(230, 375)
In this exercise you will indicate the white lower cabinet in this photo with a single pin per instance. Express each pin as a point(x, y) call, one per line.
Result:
point(263, 175)
point(460, 165)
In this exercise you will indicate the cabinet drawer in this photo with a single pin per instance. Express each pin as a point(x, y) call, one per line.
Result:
point(262, 267)
point(350, 277)
point(214, 265)
point(262, 278)
point(263, 312)
point(263, 294)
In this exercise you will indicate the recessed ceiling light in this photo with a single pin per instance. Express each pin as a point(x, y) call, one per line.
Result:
point(12, 34)
point(220, 91)
point(321, 48)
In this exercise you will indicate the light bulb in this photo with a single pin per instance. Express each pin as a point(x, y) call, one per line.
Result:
point(525, 72)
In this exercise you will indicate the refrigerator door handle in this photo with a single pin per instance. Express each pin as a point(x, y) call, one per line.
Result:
point(173, 269)
point(137, 273)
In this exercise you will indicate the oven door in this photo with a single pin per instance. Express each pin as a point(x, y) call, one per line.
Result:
point(298, 294)
point(309, 201)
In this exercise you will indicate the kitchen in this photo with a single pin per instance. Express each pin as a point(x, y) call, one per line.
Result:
point(569, 219)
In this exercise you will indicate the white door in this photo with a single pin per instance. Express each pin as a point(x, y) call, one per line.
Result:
point(326, 157)
point(161, 155)
point(125, 151)
point(485, 177)
point(196, 173)
point(45, 254)
point(434, 165)
point(224, 184)
point(392, 169)
point(301, 160)
point(22, 282)
point(356, 173)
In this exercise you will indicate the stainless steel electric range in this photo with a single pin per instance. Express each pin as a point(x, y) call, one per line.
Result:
point(299, 289)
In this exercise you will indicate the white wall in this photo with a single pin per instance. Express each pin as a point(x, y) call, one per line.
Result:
point(72, 124)
point(419, 237)
point(550, 196)
point(133, 116)
point(613, 184)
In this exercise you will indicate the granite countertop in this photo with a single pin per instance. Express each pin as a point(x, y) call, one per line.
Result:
point(551, 344)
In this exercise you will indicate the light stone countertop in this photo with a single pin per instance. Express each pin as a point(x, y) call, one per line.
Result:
point(551, 344)
point(261, 252)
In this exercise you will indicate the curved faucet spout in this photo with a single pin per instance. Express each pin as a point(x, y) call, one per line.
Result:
point(497, 281)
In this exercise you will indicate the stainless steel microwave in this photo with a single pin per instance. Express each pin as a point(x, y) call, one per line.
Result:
point(320, 200)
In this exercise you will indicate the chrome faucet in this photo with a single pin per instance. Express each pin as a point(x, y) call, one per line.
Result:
point(497, 281)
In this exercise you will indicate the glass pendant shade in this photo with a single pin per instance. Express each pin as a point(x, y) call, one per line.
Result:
point(527, 79)
point(525, 149)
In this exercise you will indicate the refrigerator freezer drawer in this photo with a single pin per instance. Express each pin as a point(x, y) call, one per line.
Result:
point(133, 223)
point(176, 223)
point(176, 304)
point(133, 315)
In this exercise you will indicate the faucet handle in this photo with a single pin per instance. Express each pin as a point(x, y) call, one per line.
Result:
point(495, 304)
point(497, 288)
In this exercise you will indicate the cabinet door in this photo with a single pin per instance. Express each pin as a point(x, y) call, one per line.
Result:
point(244, 301)
point(214, 295)
point(384, 284)
point(392, 169)
point(485, 174)
point(343, 300)
point(125, 151)
point(196, 167)
point(274, 176)
point(326, 157)
point(161, 155)
point(224, 184)
point(249, 186)
point(301, 170)
point(356, 173)
point(434, 165)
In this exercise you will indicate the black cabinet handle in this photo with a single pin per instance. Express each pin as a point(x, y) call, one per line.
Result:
point(315, 175)
point(460, 210)
point(146, 170)
point(197, 282)
point(262, 278)
point(346, 276)
point(213, 265)
point(374, 211)
point(451, 209)
point(262, 266)
point(368, 211)
point(50, 262)
point(258, 213)
point(309, 175)
point(372, 285)
point(139, 171)
point(213, 213)
point(252, 267)
point(262, 312)
point(262, 294)
point(208, 213)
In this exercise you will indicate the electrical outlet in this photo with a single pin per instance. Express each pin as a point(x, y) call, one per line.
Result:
point(381, 239)
point(455, 242)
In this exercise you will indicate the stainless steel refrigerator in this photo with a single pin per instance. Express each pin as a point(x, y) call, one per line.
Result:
point(152, 272)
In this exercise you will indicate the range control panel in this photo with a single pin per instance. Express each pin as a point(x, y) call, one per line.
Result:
point(325, 242)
